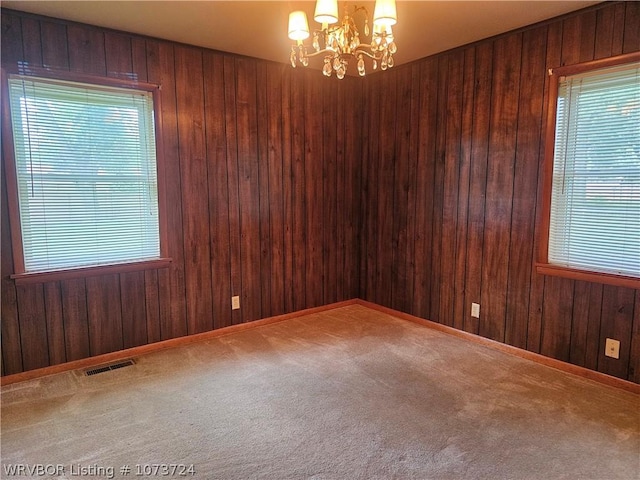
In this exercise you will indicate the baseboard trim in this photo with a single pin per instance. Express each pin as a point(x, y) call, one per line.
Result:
point(599, 377)
point(98, 360)
point(92, 362)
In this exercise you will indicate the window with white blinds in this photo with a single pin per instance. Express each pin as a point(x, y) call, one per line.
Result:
point(594, 220)
point(85, 158)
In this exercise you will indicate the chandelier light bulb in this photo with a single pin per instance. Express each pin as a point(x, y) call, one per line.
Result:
point(298, 26)
point(326, 12)
point(385, 13)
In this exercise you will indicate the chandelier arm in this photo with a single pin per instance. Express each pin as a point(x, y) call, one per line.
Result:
point(320, 52)
point(361, 49)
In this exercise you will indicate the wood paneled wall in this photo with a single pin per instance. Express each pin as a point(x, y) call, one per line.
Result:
point(424, 201)
point(262, 191)
point(451, 179)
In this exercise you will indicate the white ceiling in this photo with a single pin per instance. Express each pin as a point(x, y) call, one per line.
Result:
point(259, 28)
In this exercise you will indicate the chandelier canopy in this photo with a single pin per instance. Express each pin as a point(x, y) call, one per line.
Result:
point(340, 42)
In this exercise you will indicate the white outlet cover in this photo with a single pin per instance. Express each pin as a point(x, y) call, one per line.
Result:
point(475, 310)
point(235, 303)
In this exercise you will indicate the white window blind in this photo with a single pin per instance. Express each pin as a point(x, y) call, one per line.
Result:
point(86, 173)
point(595, 200)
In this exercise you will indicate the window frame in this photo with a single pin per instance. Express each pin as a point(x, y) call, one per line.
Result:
point(542, 264)
point(20, 276)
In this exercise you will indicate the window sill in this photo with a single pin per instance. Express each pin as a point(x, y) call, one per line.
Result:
point(588, 276)
point(81, 272)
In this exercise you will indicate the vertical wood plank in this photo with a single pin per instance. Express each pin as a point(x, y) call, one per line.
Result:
point(11, 347)
point(104, 314)
point(386, 185)
point(604, 32)
point(76, 323)
point(313, 160)
point(580, 323)
point(438, 189)
point(134, 314)
point(194, 179)
point(370, 192)
point(32, 45)
point(328, 196)
point(425, 179)
point(264, 229)
point(631, 38)
point(152, 306)
point(593, 326)
point(500, 177)
point(287, 191)
point(139, 59)
point(451, 190)
point(365, 194)
point(11, 45)
point(213, 69)
point(478, 181)
point(399, 240)
point(86, 50)
point(618, 33)
point(233, 181)
point(277, 215)
point(578, 38)
point(33, 327)
point(556, 320)
point(462, 228)
point(354, 129)
point(412, 193)
point(55, 50)
point(525, 184)
point(298, 197)
point(10, 326)
point(55, 323)
point(118, 56)
point(343, 201)
point(248, 190)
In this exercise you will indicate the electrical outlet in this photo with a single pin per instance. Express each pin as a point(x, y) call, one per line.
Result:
point(475, 310)
point(235, 303)
point(612, 348)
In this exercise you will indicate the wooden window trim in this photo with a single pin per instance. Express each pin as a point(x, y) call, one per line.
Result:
point(19, 275)
point(542, 265)
point(81, 272)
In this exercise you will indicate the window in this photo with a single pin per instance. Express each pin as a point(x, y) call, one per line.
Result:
point(85, 174)
point(592, 184)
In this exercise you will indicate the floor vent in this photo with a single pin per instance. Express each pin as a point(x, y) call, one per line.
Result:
point(107, 368)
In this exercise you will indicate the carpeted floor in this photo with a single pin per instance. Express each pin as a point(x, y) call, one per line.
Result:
point(349, 393)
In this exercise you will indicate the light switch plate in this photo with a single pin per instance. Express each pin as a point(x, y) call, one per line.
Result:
point(235, 303)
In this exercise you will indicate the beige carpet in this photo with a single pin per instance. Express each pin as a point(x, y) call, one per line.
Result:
point(350, 393)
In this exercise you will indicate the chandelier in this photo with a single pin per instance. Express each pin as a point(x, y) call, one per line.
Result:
point(340, 43)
